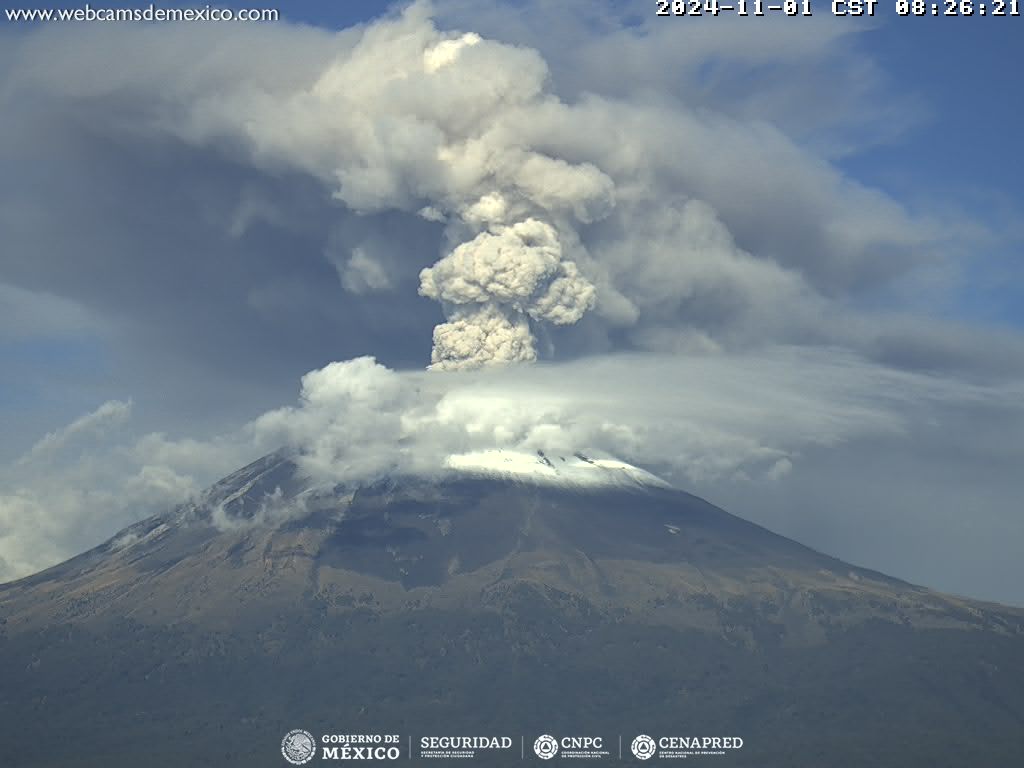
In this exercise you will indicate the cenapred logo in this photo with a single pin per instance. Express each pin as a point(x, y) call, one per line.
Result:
point(298, 746)
point(546, 747)
point(643, 747)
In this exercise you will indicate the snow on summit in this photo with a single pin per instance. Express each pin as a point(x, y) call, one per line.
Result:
point(576, 470)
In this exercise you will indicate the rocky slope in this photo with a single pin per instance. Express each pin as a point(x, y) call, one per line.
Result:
point(491, 601)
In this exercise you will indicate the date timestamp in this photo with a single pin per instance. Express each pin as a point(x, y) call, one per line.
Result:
point(740, 7)
point(838, 7)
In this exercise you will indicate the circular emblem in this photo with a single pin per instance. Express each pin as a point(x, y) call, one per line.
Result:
point(546, 747)
point(298, 747)
point(643, 747)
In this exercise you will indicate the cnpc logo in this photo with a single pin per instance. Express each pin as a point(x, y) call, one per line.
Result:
point(547, 746)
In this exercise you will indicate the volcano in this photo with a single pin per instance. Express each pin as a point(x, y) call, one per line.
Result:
point(514, 595)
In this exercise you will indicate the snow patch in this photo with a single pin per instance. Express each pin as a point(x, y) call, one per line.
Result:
point(130, 538)
point(572, 471)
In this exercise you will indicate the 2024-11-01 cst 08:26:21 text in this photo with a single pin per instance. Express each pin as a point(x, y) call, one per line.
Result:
point(837, 7)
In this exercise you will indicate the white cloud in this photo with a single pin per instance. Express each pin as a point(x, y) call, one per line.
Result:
point(80, 484)
point(92, 425)
point(361, 274)
point(447, 51)
point(698, 418)
point(33, 314)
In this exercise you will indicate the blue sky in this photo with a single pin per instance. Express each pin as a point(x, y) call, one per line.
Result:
point(965, 73)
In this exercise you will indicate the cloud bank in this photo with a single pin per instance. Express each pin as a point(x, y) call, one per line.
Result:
point(741, 425)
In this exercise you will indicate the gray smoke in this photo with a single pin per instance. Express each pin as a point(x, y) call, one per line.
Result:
point(490, 286)
point(482, 336)
point(411, 118)
point(544, 204)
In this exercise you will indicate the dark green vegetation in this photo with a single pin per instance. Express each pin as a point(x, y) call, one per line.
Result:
point(482, 607)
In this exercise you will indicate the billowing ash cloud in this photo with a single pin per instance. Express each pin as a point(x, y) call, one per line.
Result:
point(505, 202)
point(418, 120)
point(491, 284)
point(404, 117)
point(627, 215)
point(482, 336)
point(513, 271)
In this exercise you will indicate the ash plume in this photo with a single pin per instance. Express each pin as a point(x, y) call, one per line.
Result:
point(514, 196)
point(492, 283)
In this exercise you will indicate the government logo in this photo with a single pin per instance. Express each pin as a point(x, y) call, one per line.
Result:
point(546, 747)
point(643, 747)
point(298, 746)
point(360, 746)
